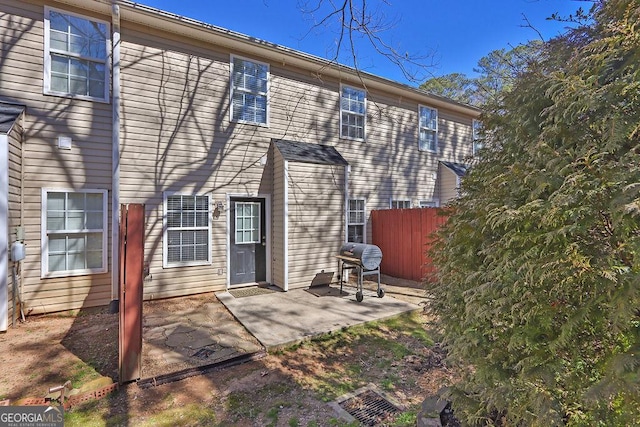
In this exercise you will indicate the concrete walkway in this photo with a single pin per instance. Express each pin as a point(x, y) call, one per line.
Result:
point(278, 319)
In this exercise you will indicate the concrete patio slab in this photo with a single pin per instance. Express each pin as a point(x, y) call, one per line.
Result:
point(278, 319)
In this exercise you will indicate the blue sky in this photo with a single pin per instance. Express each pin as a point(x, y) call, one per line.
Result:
point(450, 34)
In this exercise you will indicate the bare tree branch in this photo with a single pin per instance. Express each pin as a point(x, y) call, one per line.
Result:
point(527, 24)
point(359, 18)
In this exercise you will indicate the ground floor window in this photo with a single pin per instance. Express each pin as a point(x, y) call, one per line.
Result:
point(400, 204)
point(74, 232)
point(356, 221)
point(428, 203)
point(187, 230)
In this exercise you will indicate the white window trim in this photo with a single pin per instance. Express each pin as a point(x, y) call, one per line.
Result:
point(436, 142)
point(364, 215)
point(422, 202)
point(232, 88)
point(47, 58)
point(364, 121)
point(44, 250)
point(165, 229)
point(392, 200)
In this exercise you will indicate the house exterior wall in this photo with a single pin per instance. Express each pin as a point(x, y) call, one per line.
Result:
point(279, 220)
point(176, 136)
point(389, 165)
point(316, 226)
point(14, 140)
point(5, 283)
point(86, 166)
point(448, 185)
point(175, 141)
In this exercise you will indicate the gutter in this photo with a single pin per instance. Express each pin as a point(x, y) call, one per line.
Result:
point(347, 170)
point(285, 226)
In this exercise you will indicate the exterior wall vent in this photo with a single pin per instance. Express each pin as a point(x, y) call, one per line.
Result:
point(64, 142)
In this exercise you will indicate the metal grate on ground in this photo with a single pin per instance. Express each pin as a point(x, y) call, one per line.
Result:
point(249, 292)
point(368, 406)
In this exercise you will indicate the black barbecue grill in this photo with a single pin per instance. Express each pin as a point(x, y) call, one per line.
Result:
point(364, 259)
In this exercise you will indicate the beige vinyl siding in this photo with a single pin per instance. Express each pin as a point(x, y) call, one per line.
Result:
point(448, 185)
point(303, 108)
point(86, 166)
point(178, 138)
point(278, 209)
point(15, 197)
point(169, 118)
point(455, 131)
point(316, 220)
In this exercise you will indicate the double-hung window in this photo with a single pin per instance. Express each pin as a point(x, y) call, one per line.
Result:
point(187, 231)
point(74, 232)
point(400, 204)
point(428, 139)
point(476, 136)
point(249, 91)
point(353, 112)
point(355, 221)
point(76, 56)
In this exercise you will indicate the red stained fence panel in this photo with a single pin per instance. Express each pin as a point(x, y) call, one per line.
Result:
point(404, 236)
point(131, 267)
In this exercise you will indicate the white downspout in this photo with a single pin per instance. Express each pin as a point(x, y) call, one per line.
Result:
point(347, 169)
point(285, 237)
point(115, 155)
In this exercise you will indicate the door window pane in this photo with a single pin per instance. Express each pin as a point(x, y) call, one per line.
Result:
point(247, 222)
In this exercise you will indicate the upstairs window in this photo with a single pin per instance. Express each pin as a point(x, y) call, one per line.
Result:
point(74, 232)
point(476, 136)
point(249, 89)
point(187, 230)
point(353, 112)
point(356, 221)
point(76, 56)
point(428, 140)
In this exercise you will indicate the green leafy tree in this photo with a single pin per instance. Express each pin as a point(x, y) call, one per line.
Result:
point(499, 70)
point(456, 86)
point(538, 290)
point(496, 73)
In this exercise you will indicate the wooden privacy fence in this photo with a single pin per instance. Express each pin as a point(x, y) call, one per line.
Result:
point(131, 292)
point(404, 236)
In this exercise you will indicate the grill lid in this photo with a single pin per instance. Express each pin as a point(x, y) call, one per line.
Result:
point(367, 256)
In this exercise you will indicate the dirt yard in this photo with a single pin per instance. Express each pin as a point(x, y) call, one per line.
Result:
point(288, 388)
